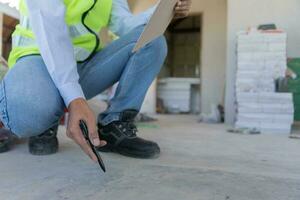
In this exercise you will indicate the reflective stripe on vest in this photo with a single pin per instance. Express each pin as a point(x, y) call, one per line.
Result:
point(75, 31)
point(83, 34)
point(20, 41)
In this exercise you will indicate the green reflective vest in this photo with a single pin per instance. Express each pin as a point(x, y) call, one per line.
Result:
point(85, 19)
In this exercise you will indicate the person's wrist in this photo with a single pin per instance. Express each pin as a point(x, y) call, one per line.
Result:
point(76, 102)
point(70, 91)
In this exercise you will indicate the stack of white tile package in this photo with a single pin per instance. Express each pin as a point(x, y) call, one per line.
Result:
point(262, 58)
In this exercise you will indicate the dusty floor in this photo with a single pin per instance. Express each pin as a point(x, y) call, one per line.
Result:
point(198, 162)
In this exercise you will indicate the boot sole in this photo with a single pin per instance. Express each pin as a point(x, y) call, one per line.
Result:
point(5, 145)
point(132, 154)
point(47, 148)
point(43, 152)
point(4, 148)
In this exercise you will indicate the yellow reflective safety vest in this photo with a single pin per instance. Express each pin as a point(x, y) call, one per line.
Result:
point(85, 19)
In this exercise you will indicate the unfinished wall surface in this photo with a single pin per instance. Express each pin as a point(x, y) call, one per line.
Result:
point(213, 53)
point(140, 5)
point(241, 15)
point(184, 40)
point(9, 24)
point(5, 9)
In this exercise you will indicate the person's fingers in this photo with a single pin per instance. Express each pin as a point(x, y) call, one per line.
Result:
point(75, 134)
point(183, 4)
point(93, 133)
point(69, 134)
point(85, 147)
point(181, 15)
point(179, 2)
point(102, 143)
point(182, 7)
point(183, 10)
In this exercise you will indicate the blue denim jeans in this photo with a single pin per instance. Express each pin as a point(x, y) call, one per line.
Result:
point(30, 103)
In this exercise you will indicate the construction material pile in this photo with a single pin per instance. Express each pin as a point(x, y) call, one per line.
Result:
point(262, 59)
point(177, 94)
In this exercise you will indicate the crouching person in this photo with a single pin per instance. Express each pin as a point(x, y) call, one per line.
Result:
point(58, 61)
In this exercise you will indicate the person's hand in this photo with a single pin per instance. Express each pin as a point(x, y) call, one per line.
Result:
point(79, 110)
point(182, 8)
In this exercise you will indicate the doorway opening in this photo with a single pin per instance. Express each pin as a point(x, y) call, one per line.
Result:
point(9, 24)
point(178, 89)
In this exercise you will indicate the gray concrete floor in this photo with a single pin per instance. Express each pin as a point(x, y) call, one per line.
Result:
point(198, 162)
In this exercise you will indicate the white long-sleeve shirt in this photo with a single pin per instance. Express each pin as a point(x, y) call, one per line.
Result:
point(47, 18)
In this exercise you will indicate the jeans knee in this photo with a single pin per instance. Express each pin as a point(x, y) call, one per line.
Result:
point(151, 57)
point(33, 118)
point(134, 35)
point(35, 124)
point(159, 47)
point(32, 101)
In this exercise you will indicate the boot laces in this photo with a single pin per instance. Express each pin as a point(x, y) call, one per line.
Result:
point(48, 134)
point(128, 128)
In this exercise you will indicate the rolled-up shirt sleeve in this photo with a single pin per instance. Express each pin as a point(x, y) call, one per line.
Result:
point(47, 18)
point(123, 21)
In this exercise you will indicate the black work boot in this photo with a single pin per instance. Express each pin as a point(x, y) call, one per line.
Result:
point(6, 140)
point(121, 138)
point(44, 144)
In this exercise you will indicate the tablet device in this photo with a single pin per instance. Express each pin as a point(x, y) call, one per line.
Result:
point(158, 23)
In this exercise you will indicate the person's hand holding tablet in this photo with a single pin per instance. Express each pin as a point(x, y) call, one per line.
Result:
point(182, 8)
point(166, 10)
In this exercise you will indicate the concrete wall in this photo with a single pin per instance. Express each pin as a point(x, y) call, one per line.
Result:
point(213, 54)
point(140, 5)
point(241, 15)
point(4, 8)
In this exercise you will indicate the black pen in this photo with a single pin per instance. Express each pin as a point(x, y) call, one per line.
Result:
point(85, 133)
